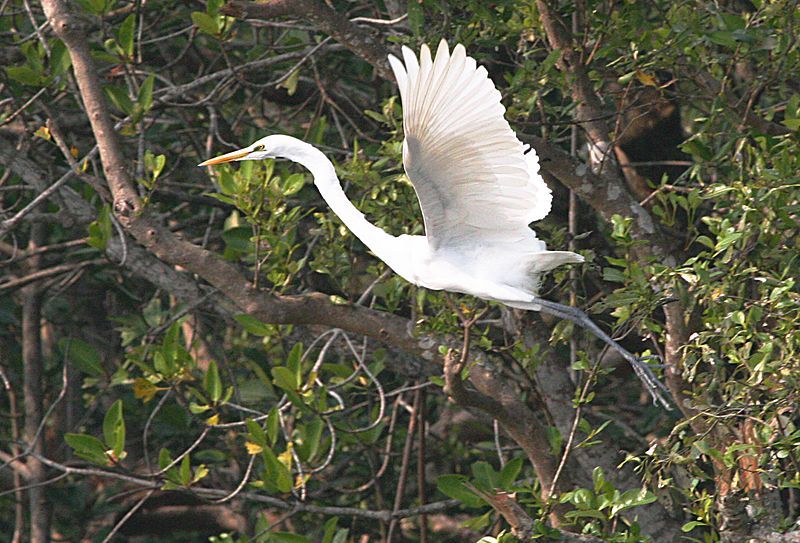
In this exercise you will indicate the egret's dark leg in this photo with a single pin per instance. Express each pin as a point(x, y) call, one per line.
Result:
point(642, 369)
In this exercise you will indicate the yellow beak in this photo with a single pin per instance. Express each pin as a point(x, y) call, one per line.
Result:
point(226, 157)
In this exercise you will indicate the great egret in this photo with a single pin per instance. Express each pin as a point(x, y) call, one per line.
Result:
point(478, 186)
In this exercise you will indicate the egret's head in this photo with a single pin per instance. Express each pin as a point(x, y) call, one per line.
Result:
point(275, 146)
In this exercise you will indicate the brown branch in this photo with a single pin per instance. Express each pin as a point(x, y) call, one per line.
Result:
point(69, 30)
point(33, 277)
point(20, 469)
point(298, 506)
point(325, 19)
point(77, 209)
point(307, 309)
point(33, 395)
point(588, 108)
point(17, 256)
point(421, 429)
point(606, 194)
point(405, 462)
point(495, 395)
point(558, 393)
point(714, 88)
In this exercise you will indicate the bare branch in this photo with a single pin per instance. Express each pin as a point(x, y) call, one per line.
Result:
point(359, 41)
point(588, 108)
point(604, 193)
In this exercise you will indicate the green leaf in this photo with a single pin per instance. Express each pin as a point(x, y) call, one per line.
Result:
point(88, 447)
point(276, 473)
point(82, 355)
point(60, 60)
point(252, 325)
point(287, 537)
point(154, 164)
point(613, 275)
point(172, 343)
point(329, 530)
point(591, 513)
point(164, 458)
point(374, 115)
point(598, 479)
point(453, 487)
point(552, 57)
point(227, 182)
point(238, 238)
point(509, 473)
point(273, 425)
point(25, 74)
point(221, 198)
point(581, 498)
point(125, 35)
point(162, 365)
point(284, 378)
point(114, 429)
point(100, 230)
point(97, 7)
point(485, 476)
point(256, 433)
point(341, 535)
point(726, 39)
point(290, 83)
point(145, 97)
point(691, 525)
point(293, 184)
point(212, 383)
point(791, 124)
point(311, 435)
point(119, 97)
point(206, 23)
point(213, 6)
point(633, 498)
point(416, 16)
point(295, 362)
point(185, 471)
point(196, 408)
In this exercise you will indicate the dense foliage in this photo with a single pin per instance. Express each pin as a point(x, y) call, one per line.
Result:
point(193, 353)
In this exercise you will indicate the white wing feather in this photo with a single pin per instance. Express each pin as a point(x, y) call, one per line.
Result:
point(474, 181)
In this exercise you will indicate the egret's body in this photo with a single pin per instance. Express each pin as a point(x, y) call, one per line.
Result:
point(479, 188)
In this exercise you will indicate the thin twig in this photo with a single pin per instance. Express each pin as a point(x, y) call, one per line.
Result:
point(406, 460)
point(423, 519)
point(132, 511)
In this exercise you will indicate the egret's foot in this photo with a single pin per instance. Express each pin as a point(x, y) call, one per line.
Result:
point(644, 371)
point(640, 365)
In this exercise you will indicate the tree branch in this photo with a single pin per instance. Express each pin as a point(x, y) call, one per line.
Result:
point(606, 194)
point(33, 394)
point(382, 515)
point(588, 108)
point(494, 395)
point(325, 19)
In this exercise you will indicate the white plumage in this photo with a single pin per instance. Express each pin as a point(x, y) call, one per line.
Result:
point(477, 186)
point(472, 176)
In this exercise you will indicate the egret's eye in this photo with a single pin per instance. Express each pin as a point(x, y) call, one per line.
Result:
point(259, 147)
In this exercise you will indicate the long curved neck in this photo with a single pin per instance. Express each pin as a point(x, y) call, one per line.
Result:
point(381, 243)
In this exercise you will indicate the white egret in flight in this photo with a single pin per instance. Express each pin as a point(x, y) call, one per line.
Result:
point(478, 187)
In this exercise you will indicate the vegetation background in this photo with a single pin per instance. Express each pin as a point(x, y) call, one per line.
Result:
point(189, 354)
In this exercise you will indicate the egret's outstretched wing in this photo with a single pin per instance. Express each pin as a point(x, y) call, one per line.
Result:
point(472, 176)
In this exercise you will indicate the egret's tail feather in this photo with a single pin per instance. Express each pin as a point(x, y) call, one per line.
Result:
point(547, 260)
